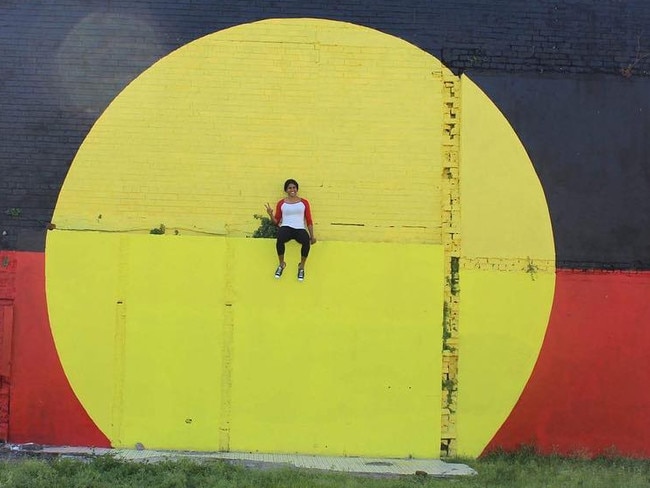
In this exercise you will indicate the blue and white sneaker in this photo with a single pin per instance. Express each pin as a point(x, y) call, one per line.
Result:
point(278, 272)
point(301, 274)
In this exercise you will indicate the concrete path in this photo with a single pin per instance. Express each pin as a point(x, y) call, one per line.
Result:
point(357, 465)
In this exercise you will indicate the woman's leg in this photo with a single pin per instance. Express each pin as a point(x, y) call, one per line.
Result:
point(302, 236)
point(284, 236)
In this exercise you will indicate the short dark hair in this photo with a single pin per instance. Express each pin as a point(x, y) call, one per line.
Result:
point(288, 182)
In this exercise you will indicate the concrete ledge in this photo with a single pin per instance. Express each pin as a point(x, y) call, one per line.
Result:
point(356, 465)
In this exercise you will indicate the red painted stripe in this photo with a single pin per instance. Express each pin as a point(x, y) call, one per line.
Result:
point(43, 407)
point(589, 391)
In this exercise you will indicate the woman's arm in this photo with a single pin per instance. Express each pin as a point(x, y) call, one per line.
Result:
point(309, 221)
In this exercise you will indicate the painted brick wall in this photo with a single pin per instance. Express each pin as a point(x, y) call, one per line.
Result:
point(202, 140)
point(571, 77)
point(64, 62)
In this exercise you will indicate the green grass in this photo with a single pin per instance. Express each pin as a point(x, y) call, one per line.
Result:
point(502, 470)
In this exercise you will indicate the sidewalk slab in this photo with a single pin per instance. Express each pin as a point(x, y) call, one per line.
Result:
point(356, 465)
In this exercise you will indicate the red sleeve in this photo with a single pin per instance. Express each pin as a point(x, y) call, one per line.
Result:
point(278, 211)
point(307, 212)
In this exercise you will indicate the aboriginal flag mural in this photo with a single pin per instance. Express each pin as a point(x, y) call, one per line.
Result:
point(479, 192)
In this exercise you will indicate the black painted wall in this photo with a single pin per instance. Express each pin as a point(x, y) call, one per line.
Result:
point(570, 76)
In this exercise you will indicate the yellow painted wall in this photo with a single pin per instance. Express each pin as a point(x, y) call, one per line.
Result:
point(206, 136)
point(207, 350)
point(199, 143)
point(136, 324)
point(332, 364)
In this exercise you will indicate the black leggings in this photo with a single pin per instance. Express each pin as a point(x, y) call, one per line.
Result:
point(285, 234)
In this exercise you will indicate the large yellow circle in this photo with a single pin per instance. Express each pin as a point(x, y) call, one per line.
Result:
point(199, 142)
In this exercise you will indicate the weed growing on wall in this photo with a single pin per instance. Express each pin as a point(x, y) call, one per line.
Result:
point(627, 71)
point(267, 229)
point(531, 269)
point(158, 230)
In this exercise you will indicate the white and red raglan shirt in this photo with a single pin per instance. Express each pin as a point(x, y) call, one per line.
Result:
point(293, 214)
